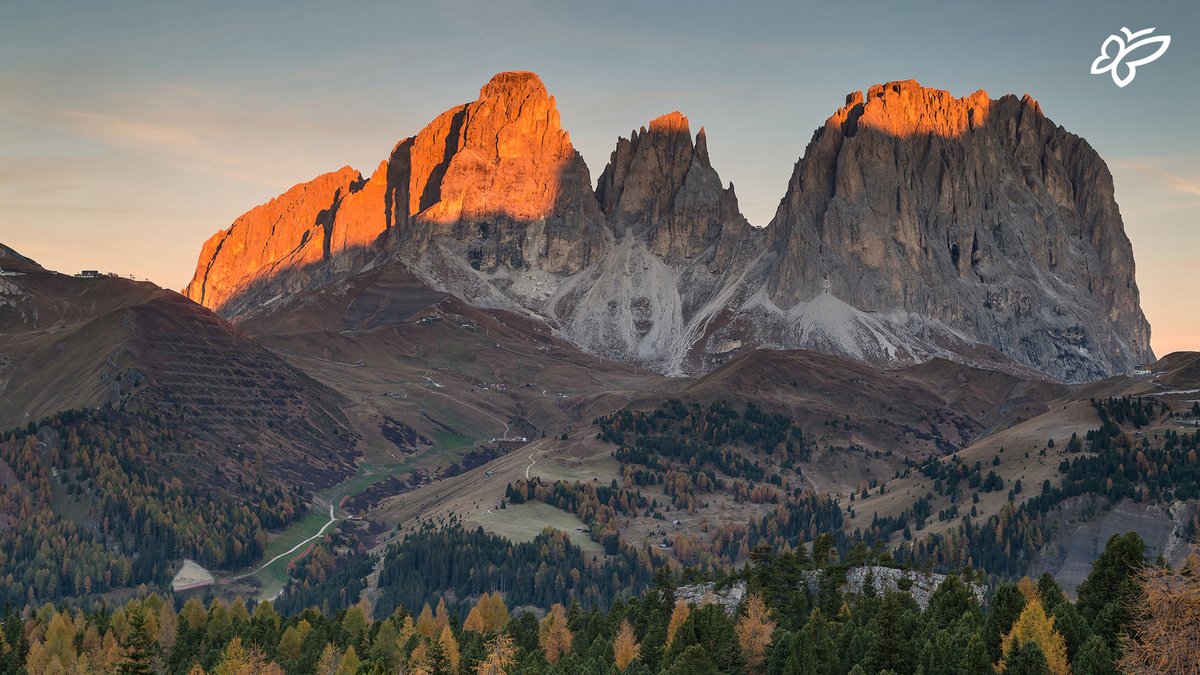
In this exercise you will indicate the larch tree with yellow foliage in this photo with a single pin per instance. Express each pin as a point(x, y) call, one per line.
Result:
point(501, 655)
point(755, 629)
point(239, 660)
point(495, 612)
point(488, 615)
point(1035, 626)
point(678, 616)
point(1165, 636)
point(418, 660)
point(625, 646)
point(425, 623)
point(441, 617)
point(474, 621)
point(1028, 588)
point(450, 647)
point(554, 636)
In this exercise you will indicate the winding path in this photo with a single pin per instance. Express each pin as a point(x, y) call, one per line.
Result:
point(531, 461)
point(332, 519)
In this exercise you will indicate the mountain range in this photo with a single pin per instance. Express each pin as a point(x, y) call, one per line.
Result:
point(916, 225)
point(926, 352)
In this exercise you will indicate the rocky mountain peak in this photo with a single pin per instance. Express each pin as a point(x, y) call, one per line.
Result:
point(672, 122)
point(968, 211)
point(499, 180)
point(660, 185)
point(905, 108)
point(514, 84)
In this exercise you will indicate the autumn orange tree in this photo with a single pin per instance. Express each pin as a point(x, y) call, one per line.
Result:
point(488, 615)
point(625, 646)
point(554, 636)
point(755, 629)
point(426, 625)
point(500, 655)
point(678, 616)
point(450, 647)
point(1165, 635)
point(1033, 625)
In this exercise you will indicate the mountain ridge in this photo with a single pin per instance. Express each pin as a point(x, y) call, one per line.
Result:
point(966, 228)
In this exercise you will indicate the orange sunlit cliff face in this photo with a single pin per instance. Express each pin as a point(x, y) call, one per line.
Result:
point(500, 170)
point(905, 109)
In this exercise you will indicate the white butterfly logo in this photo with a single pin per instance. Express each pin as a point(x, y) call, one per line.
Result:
point(1125, 47)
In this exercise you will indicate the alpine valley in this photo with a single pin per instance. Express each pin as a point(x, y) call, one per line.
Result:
point(476, 373)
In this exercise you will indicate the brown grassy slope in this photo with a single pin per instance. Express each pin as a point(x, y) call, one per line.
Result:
point(69, 343)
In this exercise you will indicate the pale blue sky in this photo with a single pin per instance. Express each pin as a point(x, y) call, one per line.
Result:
point(130, 132)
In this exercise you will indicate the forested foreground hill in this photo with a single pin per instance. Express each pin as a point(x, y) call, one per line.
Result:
point(137, 429)
point(1130, 614)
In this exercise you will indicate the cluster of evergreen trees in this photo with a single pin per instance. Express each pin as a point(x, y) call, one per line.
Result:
point(456, 563)
point(1025, 628)
point(699, 437)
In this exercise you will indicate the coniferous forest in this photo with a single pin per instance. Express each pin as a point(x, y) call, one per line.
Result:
point(1131, 615)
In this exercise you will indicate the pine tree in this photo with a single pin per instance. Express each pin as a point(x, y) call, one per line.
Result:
point(140, 647)
point(887, 650)
point(1094, 658)
point(1049, 592)
point(437, 659)
point(950, 601)
point(1026, 659)
point(1007, 603)
point(976, 658)
point(693, 661)
point(1071, 626)
point(1111, 587)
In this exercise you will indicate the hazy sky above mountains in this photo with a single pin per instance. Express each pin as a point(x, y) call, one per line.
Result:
point(129, 134)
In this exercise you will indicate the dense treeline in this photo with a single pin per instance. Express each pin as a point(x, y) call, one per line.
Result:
point(700, 437)
point(129, 515)
point(330, 578)
point(460, 563)
point(781, 626)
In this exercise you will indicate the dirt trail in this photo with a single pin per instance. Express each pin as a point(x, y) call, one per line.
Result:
point(332, 519)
